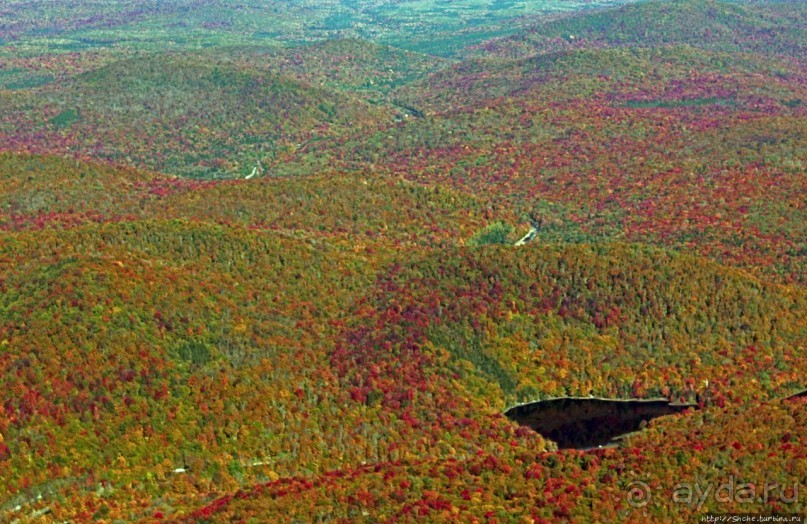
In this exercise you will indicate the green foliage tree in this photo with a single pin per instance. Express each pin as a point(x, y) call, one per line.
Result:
point(496, 233)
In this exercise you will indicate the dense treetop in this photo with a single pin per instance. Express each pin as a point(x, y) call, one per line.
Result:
point(259, 264)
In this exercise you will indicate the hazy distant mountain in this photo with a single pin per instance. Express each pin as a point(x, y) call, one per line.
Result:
point(764, 27)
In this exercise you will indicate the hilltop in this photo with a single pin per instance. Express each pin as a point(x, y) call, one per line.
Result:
point(758, 27)
point(47, 192)
point(185, 114)
point(352, 65)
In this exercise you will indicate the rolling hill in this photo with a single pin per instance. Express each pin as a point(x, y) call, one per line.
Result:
point(243, 281)
point(438, 340)
point(618, 138)
point(546, 487)
point(756, 27)
point(192, 115)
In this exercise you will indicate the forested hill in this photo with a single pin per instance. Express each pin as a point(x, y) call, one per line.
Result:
point(293, 261)
point(186, 114)
point(756, 27)
point(288, 345)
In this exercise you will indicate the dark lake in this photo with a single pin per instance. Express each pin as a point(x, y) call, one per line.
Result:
point(584, 423)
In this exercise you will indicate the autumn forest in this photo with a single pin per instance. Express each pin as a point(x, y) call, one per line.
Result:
point(293, 261)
